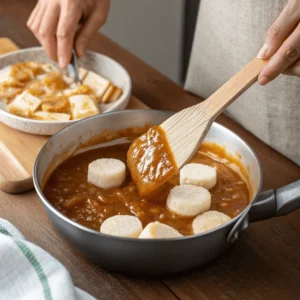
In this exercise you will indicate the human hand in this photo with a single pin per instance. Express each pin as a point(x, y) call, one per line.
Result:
point(282, 45)
point(55, 24)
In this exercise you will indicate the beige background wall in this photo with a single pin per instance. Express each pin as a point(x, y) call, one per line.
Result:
point(151, 29)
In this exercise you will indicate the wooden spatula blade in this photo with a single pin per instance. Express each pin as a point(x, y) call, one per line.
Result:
point(186, 129)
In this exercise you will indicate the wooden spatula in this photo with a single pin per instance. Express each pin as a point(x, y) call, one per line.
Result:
point(150, 158)
point(186, 129)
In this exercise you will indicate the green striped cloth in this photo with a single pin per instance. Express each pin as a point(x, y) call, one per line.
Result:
point(29, 272)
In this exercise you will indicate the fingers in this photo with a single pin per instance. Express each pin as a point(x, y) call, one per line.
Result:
point(293, 70)
point(33, 15)
point(287, 54)
point(71, 13)
point(36, 21)
point(47, 30)
point(43, 23)
point(54, 23)
point(95, 20)
point(278, 32)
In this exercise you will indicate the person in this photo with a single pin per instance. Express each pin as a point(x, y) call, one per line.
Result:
point(228, 34)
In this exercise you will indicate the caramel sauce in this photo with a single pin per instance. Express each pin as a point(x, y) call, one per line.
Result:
point(70, 193)
point(151, 161)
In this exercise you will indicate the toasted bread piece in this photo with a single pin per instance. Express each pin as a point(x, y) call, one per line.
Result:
point(82, 73)
point(97, 84)
point(107, 95)
point(9, 87)
point(35, 88)
point(55, 81)
point(68, 79)
point(8, 93)
point(47, 116)
point(80, 90)
point(25, 71)
point(5, 74)
point(13, 83)
point(35, 67)
point(58, 104)
point(24, 105)
point(83, 106)
point(48, 68)
point(115, 95)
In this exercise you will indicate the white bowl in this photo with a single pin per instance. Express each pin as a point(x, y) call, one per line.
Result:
point(93, 61)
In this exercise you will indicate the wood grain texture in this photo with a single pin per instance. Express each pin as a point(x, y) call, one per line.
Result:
point(7, 45)
point(186, 129)
point(263, 264)
point(22, 148)
point(13, 177)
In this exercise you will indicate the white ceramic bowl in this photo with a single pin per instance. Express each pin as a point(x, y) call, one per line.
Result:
point(93, 61)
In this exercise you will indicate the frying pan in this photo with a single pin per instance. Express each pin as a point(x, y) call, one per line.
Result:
point(158, 256)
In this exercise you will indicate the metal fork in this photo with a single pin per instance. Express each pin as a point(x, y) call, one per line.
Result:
point(73, 67)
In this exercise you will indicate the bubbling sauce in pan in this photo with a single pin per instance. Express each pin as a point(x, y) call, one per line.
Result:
point(70, 193)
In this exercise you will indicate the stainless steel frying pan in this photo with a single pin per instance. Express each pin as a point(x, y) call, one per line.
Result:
point(158, 256)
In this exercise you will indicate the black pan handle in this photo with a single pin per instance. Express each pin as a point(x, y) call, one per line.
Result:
point(269, 204)
point(275, 203)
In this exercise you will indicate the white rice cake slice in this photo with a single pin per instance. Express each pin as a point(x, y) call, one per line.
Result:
point(106, 173)
point(97, 84)
point(83, 106)
point(123, 226)
point(188, 200)
point(24, 105)
point(209, 220)
point(157, 230)
point(49, 116)
point(198, 174)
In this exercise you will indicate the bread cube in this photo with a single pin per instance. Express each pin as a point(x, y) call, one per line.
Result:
point(24, 105)
point(48, 116)
point(83, 106)
point(97, 84)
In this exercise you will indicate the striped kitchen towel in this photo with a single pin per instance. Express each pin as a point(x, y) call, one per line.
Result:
point(29, 272)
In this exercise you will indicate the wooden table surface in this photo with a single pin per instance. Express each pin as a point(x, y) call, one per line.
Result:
point(263, 264)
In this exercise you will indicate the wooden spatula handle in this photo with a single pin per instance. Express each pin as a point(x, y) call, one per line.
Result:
point(234, 87)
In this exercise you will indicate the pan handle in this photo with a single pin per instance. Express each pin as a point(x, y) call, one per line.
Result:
point(276, 203)
point(272, 203)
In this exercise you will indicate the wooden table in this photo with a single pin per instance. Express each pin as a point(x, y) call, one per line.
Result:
point(263, 264)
